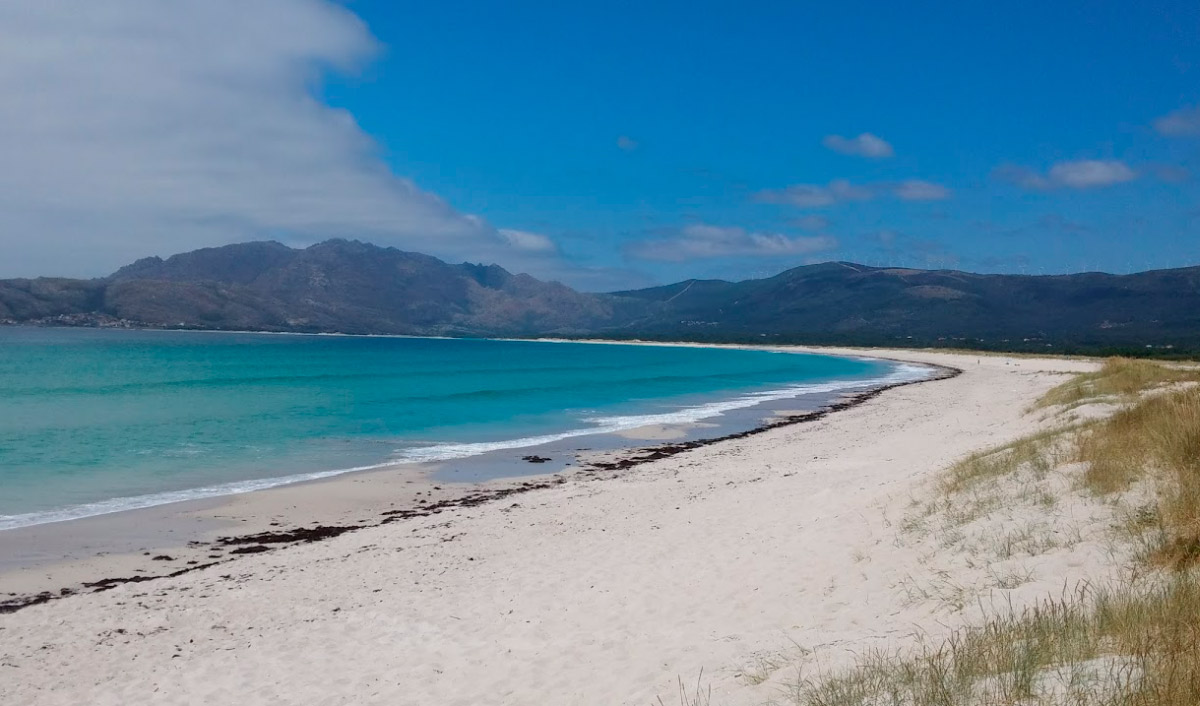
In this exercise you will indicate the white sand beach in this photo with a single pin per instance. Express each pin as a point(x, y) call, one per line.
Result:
point(736, 561)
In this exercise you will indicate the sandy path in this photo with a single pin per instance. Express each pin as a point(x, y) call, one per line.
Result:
point(600, 592)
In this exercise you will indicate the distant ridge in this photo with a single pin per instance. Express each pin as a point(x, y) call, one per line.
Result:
point(354, 287)
point(334, 286)
point(841, 301)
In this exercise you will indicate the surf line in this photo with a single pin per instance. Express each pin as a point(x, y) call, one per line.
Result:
point(257, 543)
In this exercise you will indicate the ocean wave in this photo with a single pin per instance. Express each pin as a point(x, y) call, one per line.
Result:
point(140, 502)
point(689, 415)
point(445, 452)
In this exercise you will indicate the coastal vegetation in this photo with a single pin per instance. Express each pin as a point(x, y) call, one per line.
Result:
point(1132, 641)
point(1119, 379)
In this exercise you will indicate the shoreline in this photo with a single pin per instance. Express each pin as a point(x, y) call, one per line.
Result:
point(209, 546)
point(715, 407)
point(782, 547)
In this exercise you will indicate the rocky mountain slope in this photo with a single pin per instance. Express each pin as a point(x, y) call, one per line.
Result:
point(335, 286)
point(353, 287)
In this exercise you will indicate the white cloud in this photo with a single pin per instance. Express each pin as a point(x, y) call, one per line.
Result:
point(1184, 122)
point(802, 195)
point(132, 127)
point(840, 190)
point(843, 190)
point(627, 143)
point(865, 145)
point(1077, 174)
point(705, 241)
point(529, 242)
point(1088, 173)
point(920, 190)
point(816, 195)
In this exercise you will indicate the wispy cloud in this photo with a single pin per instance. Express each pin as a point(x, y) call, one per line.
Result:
point(627, 143)
point(528, 242)
point(1078, 174)
point(920, 190)
point(1089, 173)
point(840, 190)
point(1184, 122)
point(865, 145)
point(816, 195)
point(700, 241)
point(131, 127)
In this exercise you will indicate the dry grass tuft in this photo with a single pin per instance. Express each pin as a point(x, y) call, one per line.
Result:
point(697, 696)
point(1137, 644)
point(1157, 438)
point(1125, 647)
point(1121, 378)
point(978, 503)
point(1038, 452)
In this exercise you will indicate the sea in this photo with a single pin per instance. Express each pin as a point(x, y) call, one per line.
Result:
point(94, 421)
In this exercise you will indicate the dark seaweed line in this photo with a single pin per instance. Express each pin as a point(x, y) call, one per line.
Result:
point(257, 543)
point(667, 450)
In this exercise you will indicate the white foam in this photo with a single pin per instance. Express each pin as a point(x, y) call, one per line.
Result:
point(688, 415)
point(446, 452)
point(138, 502)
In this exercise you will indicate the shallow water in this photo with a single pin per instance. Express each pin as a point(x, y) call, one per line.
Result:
point(95, 421)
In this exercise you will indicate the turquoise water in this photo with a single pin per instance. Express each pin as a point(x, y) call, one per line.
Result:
point(94, 421)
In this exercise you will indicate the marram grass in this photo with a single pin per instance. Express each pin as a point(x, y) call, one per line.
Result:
point(1134, 644)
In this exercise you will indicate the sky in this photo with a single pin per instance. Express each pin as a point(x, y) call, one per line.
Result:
point(605, 145)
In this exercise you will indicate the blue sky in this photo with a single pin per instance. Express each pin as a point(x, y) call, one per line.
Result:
point(613, 145)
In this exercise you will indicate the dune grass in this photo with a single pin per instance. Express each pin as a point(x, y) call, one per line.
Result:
point(994, 505)
point(1120, 647)
point(1133, 644)
point(1156, 439)
point(1119, 378)
point(1037, 452)
point(699, 695)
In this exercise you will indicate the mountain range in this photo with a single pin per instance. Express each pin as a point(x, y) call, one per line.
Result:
point(353, 287)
